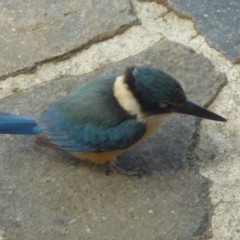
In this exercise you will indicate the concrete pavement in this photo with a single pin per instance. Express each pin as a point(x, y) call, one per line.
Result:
point(191, 190)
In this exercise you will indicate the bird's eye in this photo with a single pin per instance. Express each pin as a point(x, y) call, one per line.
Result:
point(163, 105)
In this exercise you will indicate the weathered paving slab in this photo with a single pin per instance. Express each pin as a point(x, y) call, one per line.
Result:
point(49, 195)
point(218, 149)
point(218, 21)
point(34, 31)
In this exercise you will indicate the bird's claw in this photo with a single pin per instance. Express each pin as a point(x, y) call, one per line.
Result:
point(111, 167)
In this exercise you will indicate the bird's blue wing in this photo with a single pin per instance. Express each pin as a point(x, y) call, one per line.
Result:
point(90, 120)
point(91, 138)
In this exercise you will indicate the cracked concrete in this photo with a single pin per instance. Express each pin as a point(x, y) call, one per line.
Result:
point(216, 155)
point(52, 29)
point(217, 21)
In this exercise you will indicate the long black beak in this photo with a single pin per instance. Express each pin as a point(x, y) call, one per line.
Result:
point(193, 109)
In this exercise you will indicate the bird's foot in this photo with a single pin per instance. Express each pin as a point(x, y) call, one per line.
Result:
point(112, 167)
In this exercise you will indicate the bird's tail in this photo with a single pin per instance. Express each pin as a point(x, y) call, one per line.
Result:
point(14, 124)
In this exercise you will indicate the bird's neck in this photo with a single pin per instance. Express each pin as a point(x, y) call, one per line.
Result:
point(126, 99)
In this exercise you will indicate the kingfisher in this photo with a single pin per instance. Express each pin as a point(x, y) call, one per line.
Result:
point(108, 116)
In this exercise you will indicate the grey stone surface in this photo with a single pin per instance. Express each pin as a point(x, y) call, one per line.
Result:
point(50, 195)
point(218, 21)
point(33, 31)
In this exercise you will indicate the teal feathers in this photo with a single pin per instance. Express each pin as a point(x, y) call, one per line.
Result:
point(91, 119)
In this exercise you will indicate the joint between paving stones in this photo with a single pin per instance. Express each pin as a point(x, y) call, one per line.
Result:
point(73, 52)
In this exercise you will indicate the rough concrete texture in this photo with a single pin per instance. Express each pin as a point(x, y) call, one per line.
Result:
point(34, 31)
point(218, 21)
point(56, 196)
point(217, 152)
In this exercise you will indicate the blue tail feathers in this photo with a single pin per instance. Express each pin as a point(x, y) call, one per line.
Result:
point(14, 124)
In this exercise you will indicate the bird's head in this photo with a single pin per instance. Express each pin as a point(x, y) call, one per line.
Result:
point(159, 93)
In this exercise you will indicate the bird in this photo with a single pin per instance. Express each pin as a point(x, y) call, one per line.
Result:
point(108, 116)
